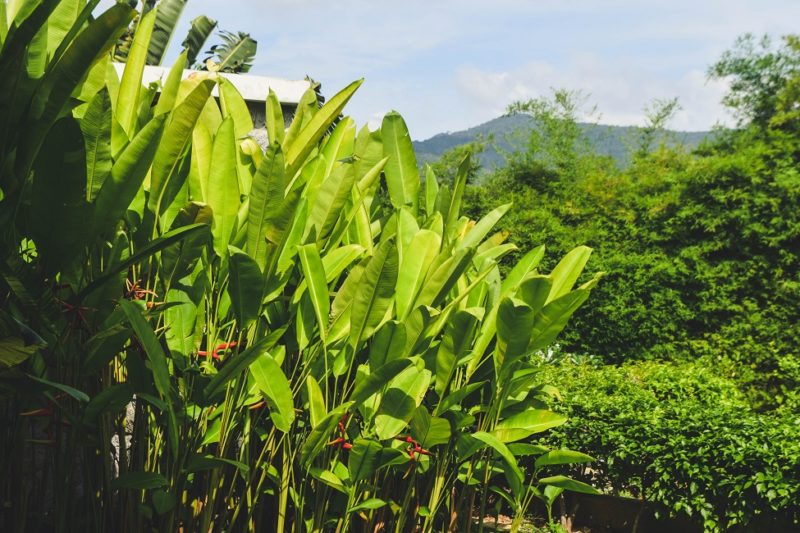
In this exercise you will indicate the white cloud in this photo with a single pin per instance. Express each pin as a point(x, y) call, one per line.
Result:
point(619, 91)
point(451, 64)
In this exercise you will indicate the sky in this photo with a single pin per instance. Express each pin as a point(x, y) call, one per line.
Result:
point(447, 65)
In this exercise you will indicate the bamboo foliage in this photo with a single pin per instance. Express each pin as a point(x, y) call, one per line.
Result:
point(300, 339)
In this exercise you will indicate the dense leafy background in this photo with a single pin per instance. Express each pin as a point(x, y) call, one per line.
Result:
point(700, 249)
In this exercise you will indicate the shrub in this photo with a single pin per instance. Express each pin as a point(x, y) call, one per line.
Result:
point(681, 435)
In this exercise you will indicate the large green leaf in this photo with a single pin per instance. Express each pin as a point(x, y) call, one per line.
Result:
point(233, 105)
point(377, 380)
point(321, 433)
point(202, 148)
point(72, 391)
point(60, 22)
point(568, 484)
point(309, 136)
point(400, 400)
point(443, 277)
point(402, 173)
point(316, 401)
point(307, 107)
point(562, 457)
point(431, 190)
point(314, 273)
point(152, 347)
point(455, 397)
point(223, 187)
point(330, 200)
point(272, 383)
point(169, 11)
point(130, 87)
point(199, 32)
point(567, 271)
point(293, 236)
point(239, 362)
point(96, 128)
point(338, 145)
point(60, 81)
point(363, 459)
point(553, 318)
point(246, 286)
point(165, 179)
point(515, 320)
point(37, 54)
point(336, 261)
point(60, 217)
point(429, 430)
point(330, 479)
point(110, 400)
point(454, 345)
point(527, 423)
point(169, 90)
point(423, 248)
point(483, 227)
point(141, 254)
point(266, 196)
point(84, 16)
point(179, 260)
point(127, 175)
point(14, 351)
point(454, 209)
point(22, 29)
point(375, 292)
point(525, 265)
point(235, 53)
point(535, 290)
point(182, 318)
point(276, 128)
point(513, 473)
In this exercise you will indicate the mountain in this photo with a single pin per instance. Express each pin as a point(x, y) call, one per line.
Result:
point(509, 133)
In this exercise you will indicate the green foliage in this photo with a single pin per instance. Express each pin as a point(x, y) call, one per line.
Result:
point(445, 167)
point(702, 271)
point(198, 335)
point(681, 435)
point(757, 73)
point(556, 143)
point(657, 115)
point(698, 248)
point(235, 53)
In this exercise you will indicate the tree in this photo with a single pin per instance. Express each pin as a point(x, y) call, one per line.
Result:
point(556, 142)
point(657, 114)
point(445, 167)
point(757, 72)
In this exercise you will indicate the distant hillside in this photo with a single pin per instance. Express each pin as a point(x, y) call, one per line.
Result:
point(607, 140)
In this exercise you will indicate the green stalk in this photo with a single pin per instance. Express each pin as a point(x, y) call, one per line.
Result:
point(401, 519)
point(283, 498)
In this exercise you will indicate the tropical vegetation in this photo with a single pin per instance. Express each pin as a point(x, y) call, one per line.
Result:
point(200, 335)
point(682, 376)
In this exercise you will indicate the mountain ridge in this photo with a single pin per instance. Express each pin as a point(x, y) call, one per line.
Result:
point(614, 141)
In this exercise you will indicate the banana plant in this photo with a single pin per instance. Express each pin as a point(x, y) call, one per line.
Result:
point(234, 54)
point(213, 337)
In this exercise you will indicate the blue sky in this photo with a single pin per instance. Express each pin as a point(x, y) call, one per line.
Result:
point(450, 64)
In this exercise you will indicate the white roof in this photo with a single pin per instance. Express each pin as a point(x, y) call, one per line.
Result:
point(252, 88)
